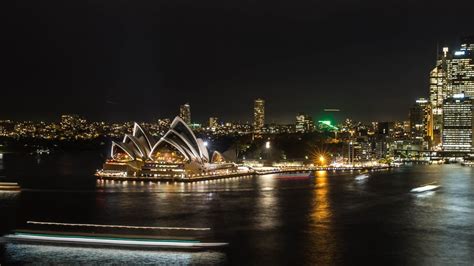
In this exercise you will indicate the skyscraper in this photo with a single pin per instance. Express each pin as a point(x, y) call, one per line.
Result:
point(460, 69)
point(304, 123)
point(258, 115)
point(453, 74)
point(438, 93)
point(185, 113)
point(421, 127)
point(457, 124)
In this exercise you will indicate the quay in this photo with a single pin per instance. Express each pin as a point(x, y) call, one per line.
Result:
point(256, 171)
point(175, 179)
point(276, 170)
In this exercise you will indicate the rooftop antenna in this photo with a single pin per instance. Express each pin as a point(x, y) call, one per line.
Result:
point(445, 51)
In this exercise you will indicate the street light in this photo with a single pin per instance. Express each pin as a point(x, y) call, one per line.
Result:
point(267, 145)
point(322, 160)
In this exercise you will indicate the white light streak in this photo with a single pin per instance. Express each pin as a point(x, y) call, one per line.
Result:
point(85, 240)
point(425, 188)
point(122, 226)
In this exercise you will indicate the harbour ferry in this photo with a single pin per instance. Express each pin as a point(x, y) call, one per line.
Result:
point(143, 237)
point(9, 186)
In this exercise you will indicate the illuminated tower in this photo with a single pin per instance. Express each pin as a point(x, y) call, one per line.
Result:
point(304, 123)
point(457, 124)
point(460, 69)
point(258, 115)
point(453, 75)
point(438, 93)
point(421, 126)
point(185, 113)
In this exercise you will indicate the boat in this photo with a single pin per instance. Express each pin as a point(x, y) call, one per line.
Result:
point(135, 237)
point(425, 188)
point(9, 186)
point(362, 177)
point(108, 240)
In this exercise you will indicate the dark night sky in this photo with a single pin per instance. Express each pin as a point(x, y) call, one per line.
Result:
point(138, 60)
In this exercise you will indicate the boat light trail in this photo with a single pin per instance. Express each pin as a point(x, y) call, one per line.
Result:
point(113, 241)
point(425, 188)
point(122, 226)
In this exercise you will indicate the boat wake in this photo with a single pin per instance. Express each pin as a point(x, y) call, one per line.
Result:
point(361, 177)
point(425, 188)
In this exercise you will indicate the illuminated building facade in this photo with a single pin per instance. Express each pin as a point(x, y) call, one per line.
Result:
point(258, 115)
point(457, 124)
point(185, 113)
point(453, 74)
point(421, 126)
point(178, 154)
point(304, 123)
point(438, 93)
point(461, 70)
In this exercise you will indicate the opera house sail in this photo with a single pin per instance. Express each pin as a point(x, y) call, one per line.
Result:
point(178, 154)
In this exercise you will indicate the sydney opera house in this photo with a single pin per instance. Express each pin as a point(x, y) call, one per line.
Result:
point(178, 154)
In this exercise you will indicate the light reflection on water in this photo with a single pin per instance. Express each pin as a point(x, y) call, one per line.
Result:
point(322, 232)
point(267, 218)
point(53, 255)
point(328, 219)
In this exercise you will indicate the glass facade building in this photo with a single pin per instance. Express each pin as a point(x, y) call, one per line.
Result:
point(438, 92)
point(461, 73)
point(457, 124)
point(452, 75)
point(421, 126)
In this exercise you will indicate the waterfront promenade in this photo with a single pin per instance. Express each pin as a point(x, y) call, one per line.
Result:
point(252, 171)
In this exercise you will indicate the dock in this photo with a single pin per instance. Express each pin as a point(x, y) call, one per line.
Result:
point(256, 171)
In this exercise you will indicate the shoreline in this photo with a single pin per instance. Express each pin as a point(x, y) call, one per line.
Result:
point(234, 175)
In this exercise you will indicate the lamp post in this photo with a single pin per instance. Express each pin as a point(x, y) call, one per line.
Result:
point(322, 160)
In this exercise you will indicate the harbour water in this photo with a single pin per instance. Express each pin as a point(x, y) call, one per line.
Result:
point(331, 218)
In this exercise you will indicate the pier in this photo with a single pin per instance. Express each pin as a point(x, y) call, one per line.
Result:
point(256, 171)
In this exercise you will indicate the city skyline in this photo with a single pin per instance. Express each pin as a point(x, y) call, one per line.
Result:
point(237, 132)
point(155, 58)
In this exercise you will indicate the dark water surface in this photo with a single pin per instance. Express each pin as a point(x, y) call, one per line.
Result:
point(328, 219)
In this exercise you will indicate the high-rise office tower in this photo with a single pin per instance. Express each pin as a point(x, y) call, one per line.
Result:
point(421, 126)
point(460, 69)
point(185, 113)
point(457, 124)
point(453, 74)
point(258, 115)
point(438, 93)
point(304, 123)
point(467, 43)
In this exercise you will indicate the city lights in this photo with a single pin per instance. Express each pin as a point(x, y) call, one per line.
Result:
point(237, 133)
point(322, 160)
